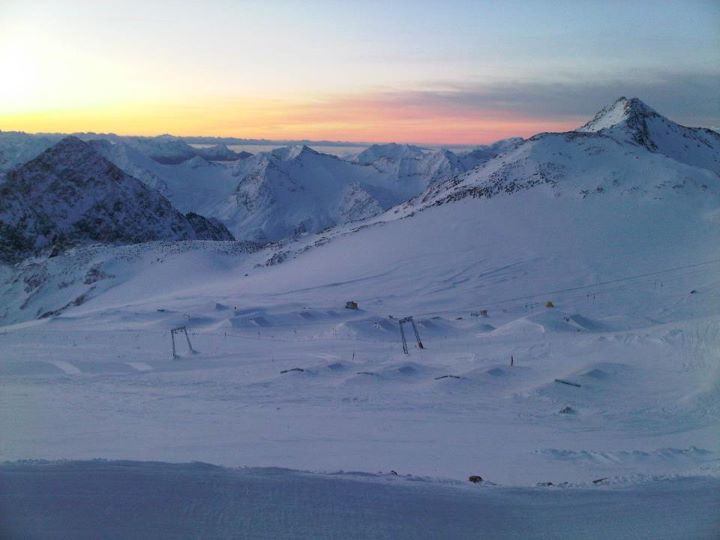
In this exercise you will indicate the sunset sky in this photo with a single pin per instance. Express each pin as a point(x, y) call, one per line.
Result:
point(454, 72)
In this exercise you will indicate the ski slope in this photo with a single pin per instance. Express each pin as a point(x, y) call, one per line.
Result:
point(625, 326)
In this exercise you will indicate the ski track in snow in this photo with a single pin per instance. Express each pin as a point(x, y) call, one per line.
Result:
point(140, 366)
point(65, 367)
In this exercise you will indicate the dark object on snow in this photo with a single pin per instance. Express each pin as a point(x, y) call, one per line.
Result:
point(351, 304)
point(549, 304)
point(545, 484)
point(512, 361)
point(475, 479)
point(567, 410)
point(367, 373)
point(402, 334)
point(394, 473)
point(291, 369)
point(180, 330)
point(693, 291)
point(561, 381)
point(448, 377)
point(599, 481)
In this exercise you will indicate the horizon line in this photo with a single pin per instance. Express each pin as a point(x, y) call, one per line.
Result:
point(261, 140)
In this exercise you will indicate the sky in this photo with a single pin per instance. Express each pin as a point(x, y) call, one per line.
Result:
point(433, 72)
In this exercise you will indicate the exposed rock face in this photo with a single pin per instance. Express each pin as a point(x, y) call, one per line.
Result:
point(208, 228)
point(71, 195)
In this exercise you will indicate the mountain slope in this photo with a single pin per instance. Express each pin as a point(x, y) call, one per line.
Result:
point(294, 190)
point(411, 165)
point(220, 152)
point(417, 168)
point(557, 212)
point(17, 148)
point(615, 152)
point(251, 194)
point(163, 149)
point(561, 210)
point(72, 195)
point(631, 120)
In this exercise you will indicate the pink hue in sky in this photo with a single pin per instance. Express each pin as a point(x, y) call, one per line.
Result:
point(390, 117)
point(425, 71)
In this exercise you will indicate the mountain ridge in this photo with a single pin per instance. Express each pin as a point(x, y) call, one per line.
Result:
point(71, 195)
point(634, 121)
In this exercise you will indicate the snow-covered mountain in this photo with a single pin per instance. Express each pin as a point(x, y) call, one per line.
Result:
point(163, 149)
point(71, 195)
point(417, 168)
point(270, 196)
point(295, 190)
point(631, 120)
point(17, 148)
point(483, 153)
point(131, 160)
point(171, 150)
point(220, 152)
point(410, 165)
point(565, 206)
point(626, 148)
point(273, 195)
point(292, 190)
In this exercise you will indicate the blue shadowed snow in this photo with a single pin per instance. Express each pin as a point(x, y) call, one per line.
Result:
point(125, 499)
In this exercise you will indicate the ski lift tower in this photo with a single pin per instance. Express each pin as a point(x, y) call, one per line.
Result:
point(180, 330)
point(410, 320)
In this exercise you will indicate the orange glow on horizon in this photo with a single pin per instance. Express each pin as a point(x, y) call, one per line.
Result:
point(360, 119)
